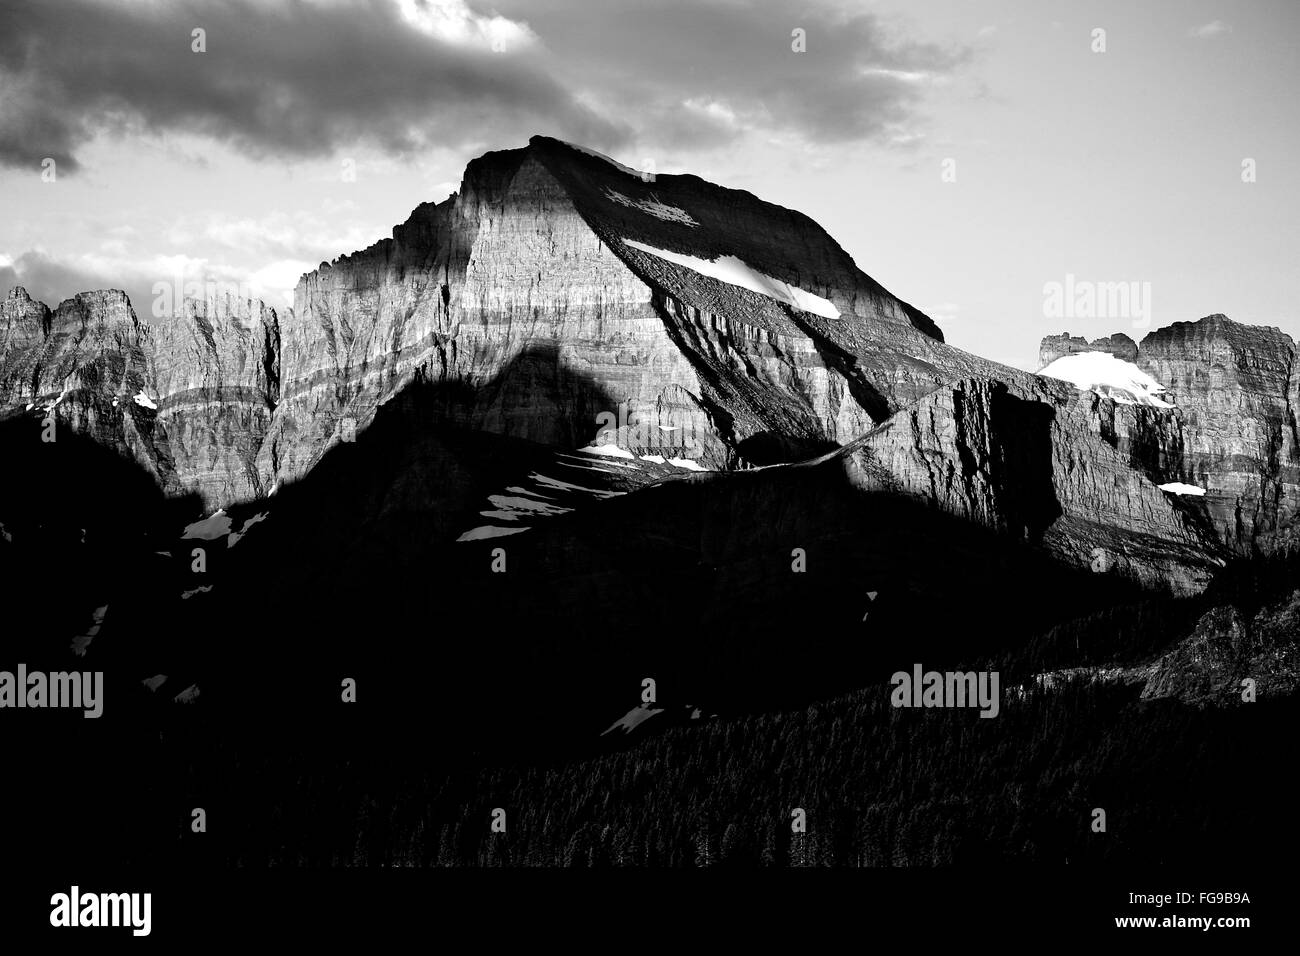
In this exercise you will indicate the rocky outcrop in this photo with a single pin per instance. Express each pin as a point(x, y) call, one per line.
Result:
point(1238, 392)
point(528, 297)
point(1234, 430)
point(216, 371)
point(558, 290)
point(188, 399)
point(1226, 648)
point(1054, 347)
point(528, 279)
point(1038, 463)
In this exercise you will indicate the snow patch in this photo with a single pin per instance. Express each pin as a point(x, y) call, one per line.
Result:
point(657, 459)
point(736, 272)
point(633, 718)
point(54, 404)
point(186, 595)
point(526, 504)
point(556, 485)
point(209, 528)
point(144, 401)
point(612, 450)
point(686, 463)
point(653, 207)
point(1179, 488)
point(1108, 376)
point(488, 531)
point(515, 489)
point(234, 538)
point(81, 642)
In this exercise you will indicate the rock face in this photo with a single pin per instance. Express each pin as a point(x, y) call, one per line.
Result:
point(217, 372)
point(1226, 647)
point(1239, 392)
point(558, 292)
point(1055, 346)
point(1234, 431)
point(189, 400)
point(1040, 462)
point(527, 279)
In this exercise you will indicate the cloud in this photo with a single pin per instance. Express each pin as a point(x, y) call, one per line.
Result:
point(859, 79)
point(1207, 31)
point(52, 280)
point(295, 79)
point(280, 79)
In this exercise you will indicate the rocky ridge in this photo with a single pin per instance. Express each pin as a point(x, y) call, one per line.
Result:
point(1234, 431)
point(557, 288)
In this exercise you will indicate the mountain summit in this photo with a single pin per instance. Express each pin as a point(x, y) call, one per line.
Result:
point(564, 300)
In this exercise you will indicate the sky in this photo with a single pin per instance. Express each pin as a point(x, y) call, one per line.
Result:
point(1002, 165)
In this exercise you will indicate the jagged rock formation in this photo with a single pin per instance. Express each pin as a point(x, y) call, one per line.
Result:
point(1226, 647)
point(1208, 665)
point(189, 400)
point(1041, 462)
point(1239, 390)
point(1054, 346)
point(217, 373)
point(534, 255)
point(557, 287)
point(1234, 431)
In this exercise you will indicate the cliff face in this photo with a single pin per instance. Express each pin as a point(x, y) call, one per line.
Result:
point(188, 400)
point(558, 292)
point(1238, 389)
point(1054, 347)
point(216, 372)
point(1040, 463)
point(1233, 432)
point(535, 278)
point(531, 297)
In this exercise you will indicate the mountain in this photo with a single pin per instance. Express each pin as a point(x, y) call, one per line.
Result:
point(1234, 430)
point(576, 427)
point(542, 246)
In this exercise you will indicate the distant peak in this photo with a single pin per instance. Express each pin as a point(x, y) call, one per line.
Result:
point(544, 141)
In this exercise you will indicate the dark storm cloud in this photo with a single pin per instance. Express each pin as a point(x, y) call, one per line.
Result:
point(296, 79)
point(858, 79)
point(285, 79)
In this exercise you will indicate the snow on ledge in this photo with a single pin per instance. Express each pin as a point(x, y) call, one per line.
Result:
point(215, 526)
point(488, 531)
point(734, 271)
point(613, 451)
point(1108, 376)
point(686, 463)
point(1179, 488)
point(144, 401)
point(653, 207)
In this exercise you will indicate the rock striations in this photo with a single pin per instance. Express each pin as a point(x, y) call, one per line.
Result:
point(556, 287)
point(1233, 431)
